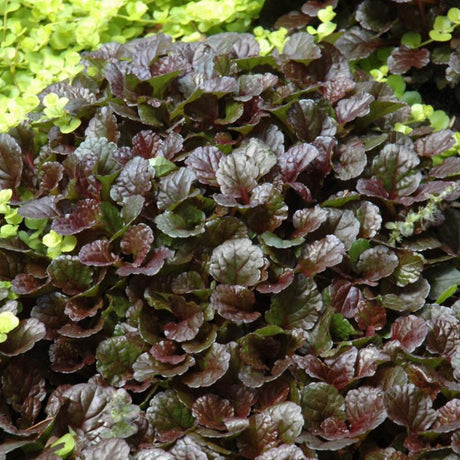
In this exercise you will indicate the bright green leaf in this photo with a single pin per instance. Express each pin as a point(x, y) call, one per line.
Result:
point(411, 39)
point(68, 444)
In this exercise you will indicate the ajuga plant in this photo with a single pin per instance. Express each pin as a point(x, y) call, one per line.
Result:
point(257, 264)
point(417, 40)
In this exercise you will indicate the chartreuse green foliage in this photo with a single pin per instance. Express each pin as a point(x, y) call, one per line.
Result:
point(326, 26)
point(65, 444)
point(8, 321)
point(52, 244)
point(40, 40)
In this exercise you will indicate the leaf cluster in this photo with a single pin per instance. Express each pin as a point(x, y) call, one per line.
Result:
point(40, 40)
point(412, 44)
point(234, 290)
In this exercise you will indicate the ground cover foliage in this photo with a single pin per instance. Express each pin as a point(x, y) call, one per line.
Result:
point(40, 40)
point(389, 38)
point(231, 256)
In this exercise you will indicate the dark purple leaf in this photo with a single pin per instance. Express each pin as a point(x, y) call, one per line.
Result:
point(349, 159)
point(211, 366)
point(312, 7)
point(115, 449)
point(211, 411)
point(306, 120)
point(49, 309)
point(321, 254)
point(70, 275)
point(204, 161)
point(271, 136)
point(264, 358)
point(357, 43)
point(355, 106)
point(134, 179)
point(254, 85)
point(288, 419)
point(372, 187)
point(147, 367)
point(443, 337)
point(175, 188)
point(100, 155)
point(84, 216)
point(343, 224)
point(259, 154)
point(83, 329)
point(292, 20)
point(261, 435)
point(296, 160)
point(79, 308)
point(370, 316)
point(103, 124)
point(453, 69)
point(367, 361)
point(449, 167)
point(337, 371)
point(166, 351)
point(235, 303)
point(376, 263)
point(450, 191)
point(408, 406)
point(403, 58)
point(407, 299)
point(448, 417)
point(187, 447)
point(319, 402)
point(307, 220)
point(10, 162)
point(151, 268)
point(345, 297)
point(374, 15)
point(41, 208)
point(269, 209)
point(96, 412)
point(396, 166)
point(410, 331)
point(237, 261)
point(24, 283)
point(172, 145)
point(365, 409)
point(435, 144)
point(296, 307)
point(147, 144)
point(115, 357)
point(23, 337)
point(274, 287)
point(26, 398)
point(283, 452)
point(137, 241)
point(456, 442)
point(67, 357)
point(97, 254)
point(369, 217)
point(301, 47)
point(237, 176)
point(189, 319)
point(50, 175)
